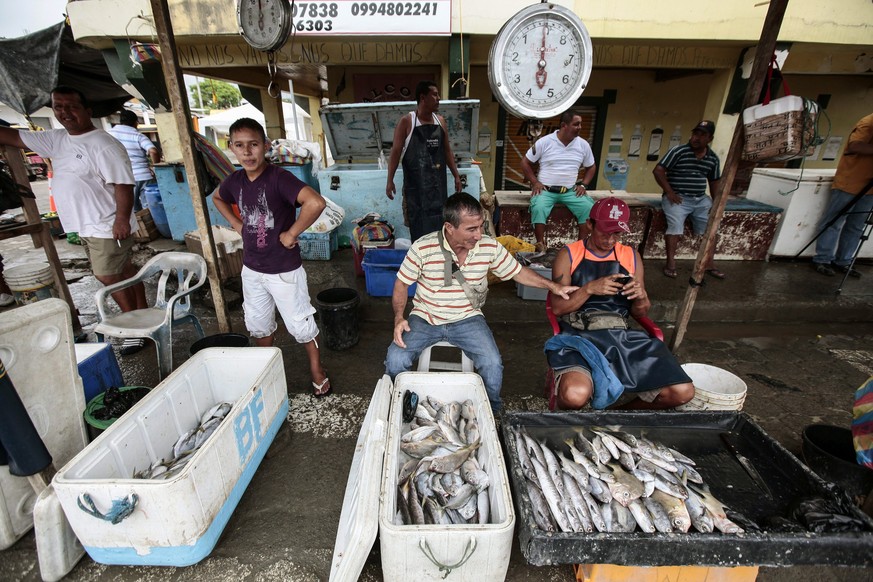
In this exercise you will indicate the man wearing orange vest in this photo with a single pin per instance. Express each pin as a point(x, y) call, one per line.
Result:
point(595, 347)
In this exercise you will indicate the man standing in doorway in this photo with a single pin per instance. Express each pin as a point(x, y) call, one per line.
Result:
point(421, 141)
point(684, 173)
point(140, 150)
point(93, 190)
point(837, 244)
point(561, 156)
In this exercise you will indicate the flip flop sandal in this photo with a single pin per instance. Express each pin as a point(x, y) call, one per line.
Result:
point(410, 404)
point(715, 273)
point(317, 388)
point(670, 273)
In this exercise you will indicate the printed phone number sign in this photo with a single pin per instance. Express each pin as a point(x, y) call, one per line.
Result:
point(382, 17)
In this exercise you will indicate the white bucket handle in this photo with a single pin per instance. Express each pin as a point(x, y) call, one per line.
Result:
point(468, 552)
point(120, 509)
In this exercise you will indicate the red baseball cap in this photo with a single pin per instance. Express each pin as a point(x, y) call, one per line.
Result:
point(611, 215)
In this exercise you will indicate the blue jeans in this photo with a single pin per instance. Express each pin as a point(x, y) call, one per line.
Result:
point(844, 234)
point(472, 335)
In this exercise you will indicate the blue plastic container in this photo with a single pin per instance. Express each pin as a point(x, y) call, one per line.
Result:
point(380, 271)
point(156, 207)
point(98, 368)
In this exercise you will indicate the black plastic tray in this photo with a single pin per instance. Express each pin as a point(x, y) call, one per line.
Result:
point(697, 435)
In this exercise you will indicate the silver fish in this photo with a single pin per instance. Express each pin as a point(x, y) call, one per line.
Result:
point(418, 434)
point(423, 412)
point(422, 485)
point(642, 516)
point(436, 513)
point(627, 460)
point(474, 475)
point(625, 437)
point(616, 442)
point(697, 512)
point(541, 513)
point(690, 473)
point(461, 497)
point(451, 483)
point(553, 499)
point(422, 448)
point(715, 509)
point(403, 502)
point(682, 458)
point(585, 447)
point(436, 485)
point(623, 520)
point(434, 404)
point(577, 472)
point(220, 410)
point(660, 517)
point(483, 506)
point(680, 519)
point(455, 517)
point(449, 433)
point(590, 466)
point(533, 449)
point(471, 433)
point(599, 490)
point(448, 463)
point(553, 466)
point(416, 513)
point(594, 511)
point(524, 458)
point(626, 487)
point(608, 443)
point(574, 493)
point(185, 443)
point(468, 411)
point(468, 510)
point(603, 454)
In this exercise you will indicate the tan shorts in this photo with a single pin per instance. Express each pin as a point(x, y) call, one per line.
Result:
point(108, 256)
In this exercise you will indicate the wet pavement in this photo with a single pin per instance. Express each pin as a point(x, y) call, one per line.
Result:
point(801, 348)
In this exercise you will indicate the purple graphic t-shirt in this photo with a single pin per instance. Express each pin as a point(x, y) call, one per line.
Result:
point(268, 207)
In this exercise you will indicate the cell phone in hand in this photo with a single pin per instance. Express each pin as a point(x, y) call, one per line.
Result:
point(624, 279)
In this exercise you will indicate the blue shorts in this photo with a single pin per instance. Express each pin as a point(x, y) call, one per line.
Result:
point(696, 207)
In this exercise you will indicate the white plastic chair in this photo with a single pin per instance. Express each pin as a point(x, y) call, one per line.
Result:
point(425, 364)
point(156, 322)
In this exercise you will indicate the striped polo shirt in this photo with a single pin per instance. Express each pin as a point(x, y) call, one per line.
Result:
point(424, 264)
point(688, 175)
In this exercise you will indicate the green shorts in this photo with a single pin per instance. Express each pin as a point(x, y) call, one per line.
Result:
point(107, 255)
point(541, 205)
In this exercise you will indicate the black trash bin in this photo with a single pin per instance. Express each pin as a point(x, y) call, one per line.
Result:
point(338, 310)
point(220, 340)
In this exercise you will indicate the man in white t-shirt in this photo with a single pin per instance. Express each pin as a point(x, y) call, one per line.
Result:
point(93, 191)
point(561, 156)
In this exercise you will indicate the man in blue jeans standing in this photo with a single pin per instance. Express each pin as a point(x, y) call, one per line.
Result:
point(451, 268)
point(836, 245)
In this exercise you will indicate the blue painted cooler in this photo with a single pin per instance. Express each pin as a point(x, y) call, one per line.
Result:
point(360, 136)
point(176, 196)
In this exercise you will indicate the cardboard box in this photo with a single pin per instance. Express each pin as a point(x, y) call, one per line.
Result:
point(147, 230)
point(228, 244)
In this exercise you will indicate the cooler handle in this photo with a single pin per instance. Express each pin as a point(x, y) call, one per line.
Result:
point(468, 552)
point(120, 509)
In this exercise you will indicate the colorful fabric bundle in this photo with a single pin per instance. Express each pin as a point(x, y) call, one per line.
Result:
point(862, 424)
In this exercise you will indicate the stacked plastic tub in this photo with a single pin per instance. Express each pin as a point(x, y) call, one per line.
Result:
point(714, 389)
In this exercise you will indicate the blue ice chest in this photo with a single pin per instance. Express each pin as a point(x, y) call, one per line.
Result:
point(98, 368)
point(380, 271)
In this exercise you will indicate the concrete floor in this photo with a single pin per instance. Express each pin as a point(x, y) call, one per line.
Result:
point(801, 349)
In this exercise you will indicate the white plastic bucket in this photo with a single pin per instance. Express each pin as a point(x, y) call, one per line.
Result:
point(30, 283)
point(715, 389)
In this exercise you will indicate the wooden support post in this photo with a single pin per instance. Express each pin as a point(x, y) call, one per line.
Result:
point(763, 52)
point(182, 115)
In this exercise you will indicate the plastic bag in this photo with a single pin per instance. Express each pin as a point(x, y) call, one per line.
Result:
point(862, 424)
point(331, 217)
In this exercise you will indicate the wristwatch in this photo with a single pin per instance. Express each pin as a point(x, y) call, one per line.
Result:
point(583, 184)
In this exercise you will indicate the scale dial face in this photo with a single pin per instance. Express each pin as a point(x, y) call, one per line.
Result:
point(264, 24)
point(540, 61)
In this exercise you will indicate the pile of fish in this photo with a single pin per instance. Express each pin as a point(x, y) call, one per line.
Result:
point(188, 444)
point(613, 481)
point(444, 482)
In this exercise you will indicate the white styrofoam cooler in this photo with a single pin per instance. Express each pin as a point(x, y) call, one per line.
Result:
point(176, 522)
point(803, 194)
point(473, 552)
point(36, 346)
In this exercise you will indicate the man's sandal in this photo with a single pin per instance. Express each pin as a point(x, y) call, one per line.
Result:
point(319, 391)
point(715, 273)
point(670, 273)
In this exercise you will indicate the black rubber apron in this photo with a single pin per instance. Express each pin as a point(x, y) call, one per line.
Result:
point(642, 363)
point(424, 179)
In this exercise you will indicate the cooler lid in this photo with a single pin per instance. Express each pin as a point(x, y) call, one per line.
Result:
point(359, 131)
point(359, 519)
point(795, 175)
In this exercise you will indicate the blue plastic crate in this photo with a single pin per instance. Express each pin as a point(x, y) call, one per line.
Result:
point(98, 368)
point(317, 246)
point(380, 271)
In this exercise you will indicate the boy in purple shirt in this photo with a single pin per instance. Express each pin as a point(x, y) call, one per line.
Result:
point(272, 275)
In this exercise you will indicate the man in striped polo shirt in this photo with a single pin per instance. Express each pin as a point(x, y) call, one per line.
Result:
point(451, 268)
point(683, 173)
point(140, 150)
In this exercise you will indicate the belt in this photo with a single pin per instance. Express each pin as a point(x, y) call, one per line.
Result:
point(557, 189)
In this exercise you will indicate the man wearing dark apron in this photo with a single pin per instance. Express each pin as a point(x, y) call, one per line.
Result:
point(610, 280)
point(421, 142)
